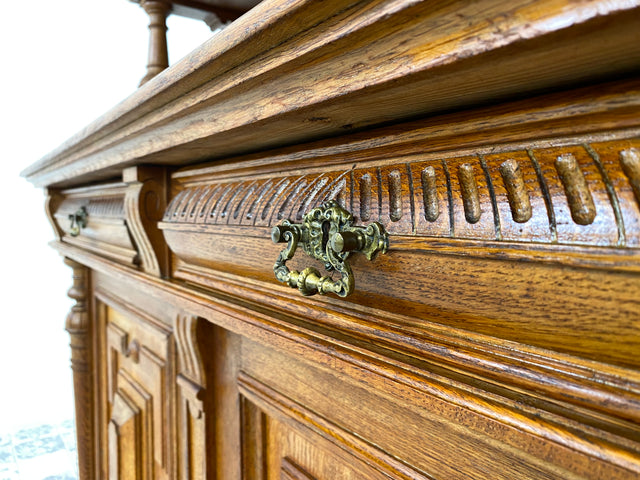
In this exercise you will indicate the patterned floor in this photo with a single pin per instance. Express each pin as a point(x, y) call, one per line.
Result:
point(45, 452)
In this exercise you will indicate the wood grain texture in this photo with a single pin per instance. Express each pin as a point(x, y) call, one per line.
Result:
point(496, 339)
point(80, 330)
point(144, 204)
point(191, 384)
point(140, 374)
point(267, 87)
point(107, 231)
point(316, 343)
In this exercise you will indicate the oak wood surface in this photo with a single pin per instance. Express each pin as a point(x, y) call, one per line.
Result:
point(267, 86)
point(498, 337)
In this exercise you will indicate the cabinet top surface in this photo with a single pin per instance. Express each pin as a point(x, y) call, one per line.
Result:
point(291, 72)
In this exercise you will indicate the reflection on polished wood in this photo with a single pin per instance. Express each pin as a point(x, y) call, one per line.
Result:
point(498, 145)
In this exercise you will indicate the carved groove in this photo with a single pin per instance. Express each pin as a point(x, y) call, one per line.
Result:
point(611, 193)
point(289, 470)
point(365, 197)
point(630, 161)
point(300, 185)
point(583, 210)
point(239, 205)
point(430, 194)
point(546, 195)
point(309, 197)
point(469, 190)
point(265, 211)
point(395, 196)
point(517, 193)
point(561, 185)
point(251, 212)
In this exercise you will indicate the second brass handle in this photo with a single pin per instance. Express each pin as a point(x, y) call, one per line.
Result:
point(78, 221)
point(327, 234)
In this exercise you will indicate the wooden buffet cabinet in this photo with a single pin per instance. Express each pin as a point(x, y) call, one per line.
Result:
point(497, 144)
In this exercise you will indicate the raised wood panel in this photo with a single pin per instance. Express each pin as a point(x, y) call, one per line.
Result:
point(129, 434)
point(277, 447)
point(140, 376)
point(424, 427)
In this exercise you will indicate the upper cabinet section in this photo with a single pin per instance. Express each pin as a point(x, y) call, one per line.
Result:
point(290, 72)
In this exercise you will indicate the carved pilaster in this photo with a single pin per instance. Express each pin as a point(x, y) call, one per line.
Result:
point(145, 202)
point(191, 385)
point(158, 56)
point(79, 327)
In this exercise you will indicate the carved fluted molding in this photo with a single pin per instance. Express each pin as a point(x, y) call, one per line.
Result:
point(79, 327)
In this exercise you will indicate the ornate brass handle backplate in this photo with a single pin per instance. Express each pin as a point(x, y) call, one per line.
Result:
point(327, 234)
point(78, 221)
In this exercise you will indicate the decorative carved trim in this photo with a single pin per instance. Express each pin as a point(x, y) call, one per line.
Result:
point(582, 194)
point(189, 359)
point(144, 203)
point(51, 205)
point(191, 385)
point(79, 327)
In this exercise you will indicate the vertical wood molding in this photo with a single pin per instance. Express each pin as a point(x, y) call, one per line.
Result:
point(191, 386)
point(51, 204)
point(79, 327)
point(145, 202)
point(254, 440)
point(158, 58)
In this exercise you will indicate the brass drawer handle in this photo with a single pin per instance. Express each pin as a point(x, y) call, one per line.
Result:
point(78, 221)
point(327, 234)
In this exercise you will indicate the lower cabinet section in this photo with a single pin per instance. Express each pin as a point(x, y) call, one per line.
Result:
point(140, 387)
point(179, 396)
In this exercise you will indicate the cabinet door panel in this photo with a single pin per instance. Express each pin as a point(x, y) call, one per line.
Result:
point(277, 447)
point(139, 395)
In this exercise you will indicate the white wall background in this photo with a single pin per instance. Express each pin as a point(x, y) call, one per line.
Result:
point(63, 64)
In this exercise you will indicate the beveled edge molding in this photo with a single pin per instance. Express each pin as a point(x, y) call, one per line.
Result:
point(290, 470)
point(511, 361)
point(245, 77)
point(574, 195)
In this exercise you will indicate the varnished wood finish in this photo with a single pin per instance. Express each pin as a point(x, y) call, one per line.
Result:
point(281, 74)
point(158, 58)
point(80, 331)
point(496, 339)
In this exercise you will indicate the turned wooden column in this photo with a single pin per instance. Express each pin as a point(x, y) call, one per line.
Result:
point(79, 329)
point(158, 55)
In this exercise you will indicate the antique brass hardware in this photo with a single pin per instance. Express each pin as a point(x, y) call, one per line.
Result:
point(327, 234)
point(78, 221)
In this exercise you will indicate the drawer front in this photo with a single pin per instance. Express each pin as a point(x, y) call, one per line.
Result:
point(506, 305)
point(94, 219)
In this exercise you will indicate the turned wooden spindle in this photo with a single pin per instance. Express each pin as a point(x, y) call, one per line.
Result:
point(79, 327)
point(158, 60)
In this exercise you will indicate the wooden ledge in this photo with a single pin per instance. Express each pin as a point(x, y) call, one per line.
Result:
point(294, 71)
